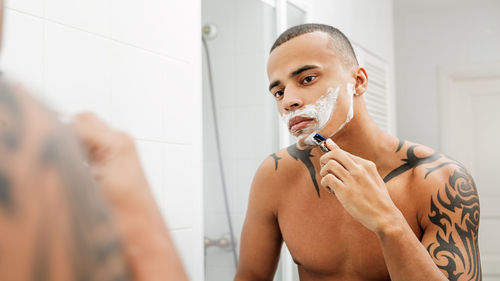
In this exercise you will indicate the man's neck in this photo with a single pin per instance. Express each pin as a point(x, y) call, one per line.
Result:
point(363, 138)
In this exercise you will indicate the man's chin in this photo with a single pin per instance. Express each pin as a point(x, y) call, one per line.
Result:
point(302, 136)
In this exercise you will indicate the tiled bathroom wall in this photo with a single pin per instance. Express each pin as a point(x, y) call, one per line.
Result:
point(137, 64)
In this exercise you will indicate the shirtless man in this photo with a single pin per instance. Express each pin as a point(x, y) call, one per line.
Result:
point(374, 207)
point(60, 220)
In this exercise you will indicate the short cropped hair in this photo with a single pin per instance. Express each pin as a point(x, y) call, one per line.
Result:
point(340, 42)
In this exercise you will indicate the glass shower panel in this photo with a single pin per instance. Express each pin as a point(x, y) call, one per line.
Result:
point(246, 120)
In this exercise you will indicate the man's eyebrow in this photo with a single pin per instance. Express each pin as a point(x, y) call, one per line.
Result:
point(274, 84)
point(293, 74)
point(302, 69)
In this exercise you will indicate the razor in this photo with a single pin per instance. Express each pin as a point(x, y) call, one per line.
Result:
point(320, 141)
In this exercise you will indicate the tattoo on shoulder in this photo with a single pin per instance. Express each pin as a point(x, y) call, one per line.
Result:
point(276, 158)
point(400, 145)
point(411, 161)
point(457, 239)
point(305, 157)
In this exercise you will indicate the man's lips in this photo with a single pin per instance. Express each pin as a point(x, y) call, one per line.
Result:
point(298, 123)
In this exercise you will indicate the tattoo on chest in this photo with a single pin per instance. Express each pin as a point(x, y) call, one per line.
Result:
point(305, 157)
point(456, 213)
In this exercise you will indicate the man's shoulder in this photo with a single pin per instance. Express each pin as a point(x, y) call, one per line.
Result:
point(285, 160)
point(437, 178)
point(283, 166)
point(426, 165)
point(432, 167)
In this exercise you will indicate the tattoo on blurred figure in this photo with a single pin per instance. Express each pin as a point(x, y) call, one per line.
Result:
point(93, 246)
point(10, 134)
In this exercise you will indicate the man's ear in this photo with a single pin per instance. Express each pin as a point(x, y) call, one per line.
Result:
point(361, 81)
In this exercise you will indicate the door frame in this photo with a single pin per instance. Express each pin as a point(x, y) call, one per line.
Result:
point(447, 76)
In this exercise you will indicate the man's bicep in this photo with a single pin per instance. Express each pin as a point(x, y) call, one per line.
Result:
point(261, 238)
point(451, 232)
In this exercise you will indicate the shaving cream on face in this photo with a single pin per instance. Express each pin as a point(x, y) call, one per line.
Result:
point(351, 92)
point(320, 111)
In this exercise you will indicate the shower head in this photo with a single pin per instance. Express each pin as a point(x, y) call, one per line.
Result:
point(209, 31)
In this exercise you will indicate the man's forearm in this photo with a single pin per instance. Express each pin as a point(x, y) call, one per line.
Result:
point(405, 257)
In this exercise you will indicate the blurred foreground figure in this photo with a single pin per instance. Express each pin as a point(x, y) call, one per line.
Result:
point(62, 219)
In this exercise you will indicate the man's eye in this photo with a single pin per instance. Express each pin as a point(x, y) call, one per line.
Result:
point(308, 79)
point(278, 94)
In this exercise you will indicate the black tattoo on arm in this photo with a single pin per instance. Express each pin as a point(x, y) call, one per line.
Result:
point(305, 157)
point(456, 214)
point(276, 158)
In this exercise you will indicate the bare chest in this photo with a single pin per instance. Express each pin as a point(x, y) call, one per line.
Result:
point(325, 241)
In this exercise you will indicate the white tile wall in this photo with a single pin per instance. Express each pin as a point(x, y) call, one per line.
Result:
point(138, 91)
point(34, 7)
point(89, 15)
point(156, 25)
point(160, 90)
point(183, 240)
point(22, 52)
point(77, 70)
point(179, 180)
point(137, 64)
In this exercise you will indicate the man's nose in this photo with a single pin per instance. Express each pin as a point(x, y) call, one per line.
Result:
point(291, 101)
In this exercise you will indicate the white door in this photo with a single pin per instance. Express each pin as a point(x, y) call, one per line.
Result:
point(471, 134)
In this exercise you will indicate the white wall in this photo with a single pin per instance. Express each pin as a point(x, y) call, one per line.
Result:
point(429, 38)
point(138, 65)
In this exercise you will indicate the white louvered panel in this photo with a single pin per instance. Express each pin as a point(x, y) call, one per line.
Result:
point(377, 93)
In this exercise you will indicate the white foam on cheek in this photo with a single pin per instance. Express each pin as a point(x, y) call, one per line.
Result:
point(350, 114)
point(325, 107)
point(321, 111)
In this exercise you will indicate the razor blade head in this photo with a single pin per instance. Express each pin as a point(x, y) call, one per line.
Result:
point(318, 138)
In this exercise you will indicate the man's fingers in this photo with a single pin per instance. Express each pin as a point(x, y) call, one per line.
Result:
point(331, 145)
point(332, 183)
point(87, 125)
point(93, 133)
point(335, 168)
point(339, 155)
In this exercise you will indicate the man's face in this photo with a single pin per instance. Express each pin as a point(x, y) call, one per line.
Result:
point(300, 72)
